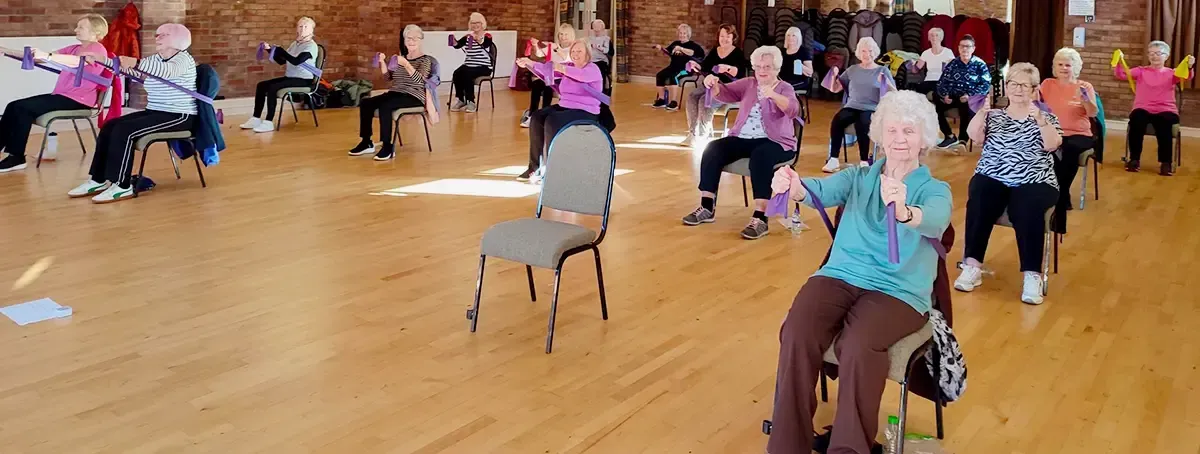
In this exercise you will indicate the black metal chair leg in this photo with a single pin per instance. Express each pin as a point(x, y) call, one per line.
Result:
point(937, 394)
point(141, 170)
point(600, 280)
point(43, 149)
point(532, 292)
point(553, 311)
point(745, 198)
point(78, 135)
point(1056, 252)
point(473, 313)
point(295, 117)
point(824, 387)
point(425, 123)
point(196, 157)
point(492, 89)
point(279, 113)
point(396, 136)
point(312, 107)
point(93, 127)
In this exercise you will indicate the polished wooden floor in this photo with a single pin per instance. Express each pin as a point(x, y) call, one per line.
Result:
point(303, 303)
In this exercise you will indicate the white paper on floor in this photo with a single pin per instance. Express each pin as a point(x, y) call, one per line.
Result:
point(35, 311)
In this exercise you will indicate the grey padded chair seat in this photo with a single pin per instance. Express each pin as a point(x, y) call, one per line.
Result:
point(742, 166)
point(46, 118)
point(407, 111)
point(1083, 157)
point(899, 353)
point(298, 90)
point(144, 142)
point(536, 242)
point(1005, 221)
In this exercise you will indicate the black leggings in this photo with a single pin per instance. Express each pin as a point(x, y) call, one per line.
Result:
point(538, 91)
point(1163, 122)
point(861, 119)
point(266, 92)
point(668, 76)
point(764, 154)
point(113, 160)
point(1026, 204)
point(544, 124)
point(1066, 169)
point(464, 81)
point(965, 114)
point(19, 116)
point(384, 105)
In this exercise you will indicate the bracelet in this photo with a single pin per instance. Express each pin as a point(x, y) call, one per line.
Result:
point(910, 215)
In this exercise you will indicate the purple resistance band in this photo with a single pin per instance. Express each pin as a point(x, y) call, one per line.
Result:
point(305, 65)
point(893, 240)
point(27, 64)
point(471, 41)
point(545, 72)
point(392, 63)
point(116, 67)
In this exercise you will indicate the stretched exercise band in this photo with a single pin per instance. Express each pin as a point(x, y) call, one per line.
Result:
point(27, 64)
point(259, 55)
point(134, 77)
point(545, 72)
point(392, 63)
point(470, 39)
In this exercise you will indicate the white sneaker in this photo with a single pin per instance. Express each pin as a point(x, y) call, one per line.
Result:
point(252, 123)
point(1031, 292)
point(864, 164)
point(264, 126)
point(831, 165)
point(525, 122)
point(113, 194)
point(87, 188)
point(971, 277)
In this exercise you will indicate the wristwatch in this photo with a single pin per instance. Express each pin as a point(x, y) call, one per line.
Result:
point(910, 215)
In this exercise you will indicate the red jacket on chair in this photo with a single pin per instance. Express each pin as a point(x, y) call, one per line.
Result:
point(122, 38)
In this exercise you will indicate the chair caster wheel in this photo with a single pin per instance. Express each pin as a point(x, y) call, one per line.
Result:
point(470, 314)
point(766, 427)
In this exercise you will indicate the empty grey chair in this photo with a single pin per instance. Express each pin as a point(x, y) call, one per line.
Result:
point(49, 118)
point(146, 141)
point(290, 94)
point(580, 167)
point(399, 113)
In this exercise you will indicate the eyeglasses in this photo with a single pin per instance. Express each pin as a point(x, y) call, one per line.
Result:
point(1014, 84)
point(762, 68)
point(1158, 54)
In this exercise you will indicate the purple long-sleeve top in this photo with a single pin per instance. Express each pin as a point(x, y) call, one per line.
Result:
point(571, 91)
point(776, 121)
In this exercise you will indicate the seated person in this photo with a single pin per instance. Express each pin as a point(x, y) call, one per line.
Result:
point(681, 51)
point(1015, 174)
point(795, 53)
point(303, 50)
point(558, 51)
point(478, 63)
point(1074, 103)
point(167, 110)
point(574, 102)
point(862, 83)
point(962, 78)
point(873, 303)
point(408, 90)
point(601, 46)
point(1154, 104)
point(725, 61)
point(19, 115)
point(933, 60)
point(764, 133)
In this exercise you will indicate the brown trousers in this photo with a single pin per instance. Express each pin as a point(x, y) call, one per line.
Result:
point(870, 322)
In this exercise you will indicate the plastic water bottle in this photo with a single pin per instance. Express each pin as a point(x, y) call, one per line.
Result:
point(51, 146)
point(892, 435)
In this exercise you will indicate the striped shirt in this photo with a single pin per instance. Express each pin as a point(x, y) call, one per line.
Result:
point(180, 69)
point(412, 84)
point(477, 54)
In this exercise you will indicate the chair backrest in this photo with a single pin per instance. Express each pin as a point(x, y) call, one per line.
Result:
point(320, 60)
point(580, 167)
point(492, 52)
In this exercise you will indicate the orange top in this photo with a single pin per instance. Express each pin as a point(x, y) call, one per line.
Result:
point(1066, 102)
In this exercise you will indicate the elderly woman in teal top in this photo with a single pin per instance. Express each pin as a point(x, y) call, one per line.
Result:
point(872, 302)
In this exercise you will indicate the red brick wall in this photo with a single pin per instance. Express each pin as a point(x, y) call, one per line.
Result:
point(654, 22)
point(50, 17)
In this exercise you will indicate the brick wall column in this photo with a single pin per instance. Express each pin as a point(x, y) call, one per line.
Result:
point(155, 13)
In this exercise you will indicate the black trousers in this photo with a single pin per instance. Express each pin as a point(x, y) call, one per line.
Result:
point(1163, 122)
point(861, 119)
point(764, 154)
point(264, 93)
point(383, 105)
point(1026, 204)
point(926, 87)
point(1066, 169)
point(964, 115)
point(540, 95)
point(113, 160)
point(606, 73)
point(19, 116)
point(464, 81)
point(666, 77)
point(545, 123)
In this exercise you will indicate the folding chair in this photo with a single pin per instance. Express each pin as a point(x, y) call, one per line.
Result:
point(741, 167)
point(400, 113)
point(289, 94)
point(146, 141)
point(492, 51)
point(49, 118)
point(581, 163)
point(1175, 132)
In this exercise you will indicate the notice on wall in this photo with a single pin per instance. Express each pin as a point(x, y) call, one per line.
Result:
point(1081, 7)
point(1077, 37)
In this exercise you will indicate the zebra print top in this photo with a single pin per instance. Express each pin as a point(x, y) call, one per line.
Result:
point(1013, 151)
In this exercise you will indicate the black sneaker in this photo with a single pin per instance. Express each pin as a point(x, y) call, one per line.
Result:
point(12, 163)
point(948, 142)
point(1132, 165)
point(386, 152)
point(659, 103)
point(673, 106)
point(1164, 169)
point(364, 147)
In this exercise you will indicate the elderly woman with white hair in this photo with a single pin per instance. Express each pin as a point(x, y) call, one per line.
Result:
point(859, 293)
point(764, 132)
point(1154, 104)
point(413, 68)
point(167, 110)
point(797, 67)
point(681, 51)
point(862, 83)
point(932, 60)
point(478, 63)
point(1074, 103)
point(1015, 174)
point(303, 49)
